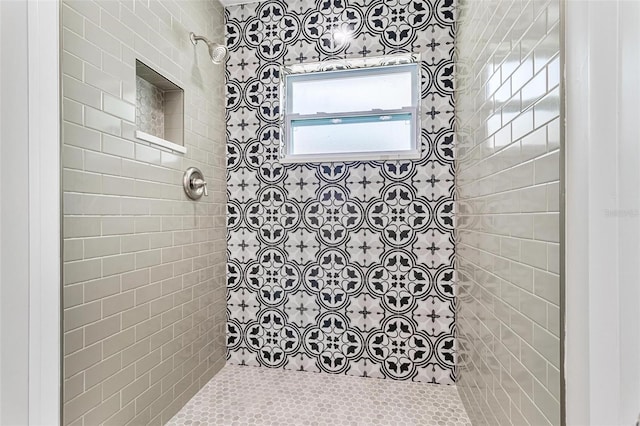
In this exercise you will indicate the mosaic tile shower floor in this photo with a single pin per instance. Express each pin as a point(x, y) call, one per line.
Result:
point(240, 395)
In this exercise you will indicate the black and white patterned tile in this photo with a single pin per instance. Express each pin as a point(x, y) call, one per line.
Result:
point(340, 267)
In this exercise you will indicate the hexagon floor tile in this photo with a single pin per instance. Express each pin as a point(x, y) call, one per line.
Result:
point(240, 395)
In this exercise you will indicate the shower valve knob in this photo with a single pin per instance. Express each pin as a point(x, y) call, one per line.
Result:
point(194, 184)
point(199, 183)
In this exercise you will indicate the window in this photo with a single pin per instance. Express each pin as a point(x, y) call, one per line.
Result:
point(363, 109)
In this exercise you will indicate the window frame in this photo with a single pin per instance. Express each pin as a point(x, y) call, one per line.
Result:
point(333, 69)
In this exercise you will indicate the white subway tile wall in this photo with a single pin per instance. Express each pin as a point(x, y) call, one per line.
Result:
point(508, 133)
point(144, 267)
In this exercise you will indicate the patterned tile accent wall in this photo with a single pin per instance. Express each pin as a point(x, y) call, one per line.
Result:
point(340, 267)
point(508, 106)
point(149, 108)
point(144, 267)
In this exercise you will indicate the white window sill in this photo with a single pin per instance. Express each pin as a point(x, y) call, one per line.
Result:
point(352, 156)
point(160, 142)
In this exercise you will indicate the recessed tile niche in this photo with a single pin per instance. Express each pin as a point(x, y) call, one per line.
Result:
point(159, 109)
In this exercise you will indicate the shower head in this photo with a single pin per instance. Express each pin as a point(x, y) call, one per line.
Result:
point(217, 52)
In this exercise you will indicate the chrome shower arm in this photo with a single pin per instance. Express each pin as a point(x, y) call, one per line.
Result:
point(196, 38)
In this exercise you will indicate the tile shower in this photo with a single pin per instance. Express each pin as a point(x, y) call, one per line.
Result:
point(424, 279)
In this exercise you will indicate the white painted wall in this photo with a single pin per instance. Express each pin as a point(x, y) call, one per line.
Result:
point(29, 213)
point(1, 399)
point(14, 223)
point(44, 212)
point(629, 207)
point(603, 212)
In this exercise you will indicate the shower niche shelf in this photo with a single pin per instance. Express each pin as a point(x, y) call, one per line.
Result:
point(159, 109)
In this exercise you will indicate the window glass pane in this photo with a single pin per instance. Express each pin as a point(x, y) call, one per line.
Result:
point(352, 134)
point(354, 90)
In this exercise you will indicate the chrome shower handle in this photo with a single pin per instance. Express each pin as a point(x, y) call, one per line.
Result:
point(199, 183)
point(194, 184)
